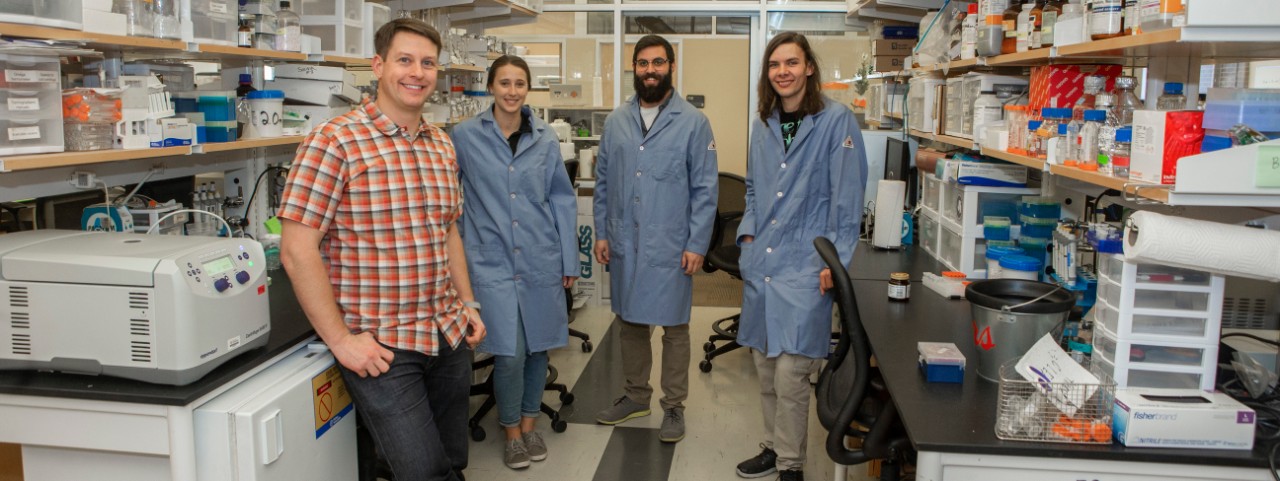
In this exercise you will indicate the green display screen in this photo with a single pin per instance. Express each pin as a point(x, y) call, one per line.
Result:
point(219, 265)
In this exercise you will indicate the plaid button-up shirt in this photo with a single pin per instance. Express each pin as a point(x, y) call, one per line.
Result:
point(384, 199)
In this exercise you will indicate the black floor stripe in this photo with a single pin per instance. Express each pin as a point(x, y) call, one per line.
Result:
point(635, 454)
point(601, 380)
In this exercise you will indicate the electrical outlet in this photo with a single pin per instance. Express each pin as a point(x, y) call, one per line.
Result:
point(84, 180)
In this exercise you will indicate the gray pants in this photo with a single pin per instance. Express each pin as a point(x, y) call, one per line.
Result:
point(784, 398)
point(637, 363)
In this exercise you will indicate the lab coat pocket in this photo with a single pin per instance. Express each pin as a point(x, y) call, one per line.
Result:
point(488, 265)
point(745, 265)
point(676, 171)
point(533, 184)
point(545, 266)
point(664, 245)
point(803, 282)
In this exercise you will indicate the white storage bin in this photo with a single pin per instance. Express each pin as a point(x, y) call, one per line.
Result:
point(375, 16)
point(20, 137)
point(1112, 266)
point(332, 12)
point(931, 189)
point(1158, 355)
point(952, 247)
point(50, 13)
point(924, 103)
point(334, 40)
point(929, 228)
point(30, 73)
point(1141, 298)
point(1134, 377)
point(1156, 325)
point(953, 122)
point(19, 104)
point(1006, 87)
point(212, 21)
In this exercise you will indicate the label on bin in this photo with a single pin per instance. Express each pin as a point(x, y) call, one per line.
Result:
point(1064, 382)
point(24, 133)
point(217, 7)
point(24, 105)
point(31, 76)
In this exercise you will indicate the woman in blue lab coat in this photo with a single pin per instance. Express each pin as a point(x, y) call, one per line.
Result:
point(805, 174)
point(518, 229)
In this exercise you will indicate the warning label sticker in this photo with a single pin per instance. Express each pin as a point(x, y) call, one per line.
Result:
point(330, 398)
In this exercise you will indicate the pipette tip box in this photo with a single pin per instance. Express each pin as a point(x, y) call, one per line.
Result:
point(941, 362)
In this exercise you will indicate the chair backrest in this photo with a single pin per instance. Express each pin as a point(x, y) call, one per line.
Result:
point(730, 204)
point(846, 378)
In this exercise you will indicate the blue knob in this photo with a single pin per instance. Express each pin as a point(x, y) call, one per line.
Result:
point(242, 277)
point(221, 284)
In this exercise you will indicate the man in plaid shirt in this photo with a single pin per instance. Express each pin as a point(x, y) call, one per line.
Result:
point(371, 245)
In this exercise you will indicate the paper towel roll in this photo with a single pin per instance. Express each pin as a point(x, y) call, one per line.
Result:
point(1201, 245)
point(586, 167)
point(890, 194)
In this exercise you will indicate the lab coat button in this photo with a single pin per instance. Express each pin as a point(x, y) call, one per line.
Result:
point(768, 279)
point(779, 194)
point(637, 173)
point(642, 148)
point(784, 165)
point(768, 250)
point(773, 221)
point(517, 250)
point(513, 195)
point(637, 200)
point(515, 223)
point(517, 277)
point(511, 168)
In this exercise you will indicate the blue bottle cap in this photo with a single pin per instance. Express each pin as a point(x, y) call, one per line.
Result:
point(1095, 115)
point(246, 78)
point(1173, 88)
point(1062, 129)
point(1021, 263)
point(996, 253)
point(1124, 134)
point(265, 94)
point(1061, 113)
point(1034, 124)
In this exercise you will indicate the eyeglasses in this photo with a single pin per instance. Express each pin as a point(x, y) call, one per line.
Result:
point(657, 63)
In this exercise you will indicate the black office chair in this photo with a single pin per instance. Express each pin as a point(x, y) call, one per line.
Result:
point(850, 390)
point(485, 388)
point(723, 255)
point(572, 167)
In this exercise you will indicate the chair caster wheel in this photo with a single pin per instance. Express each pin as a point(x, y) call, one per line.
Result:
point(477, 433)
point(559, 425)
point(566, 398)
point(705, 366)
point(586, 346)
point(709, 346)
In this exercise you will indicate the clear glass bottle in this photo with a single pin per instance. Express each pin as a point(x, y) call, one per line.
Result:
point(288, 29)
point(1105, 18)
point(1034, 143)
point(987, 110)
point(1053, 117)
point(1062, 146)
point(1037, 25)
point(1049, 20)
point(1093, 120)
point(1132, 17)
point(1107, 134)
point(244, 36)
point(1010, 23)
point(1172, 99)
point(1026, 26)
point(1161, 14)
point(1126, 100)
point(1015, 121)
point(969, 34)
point(1120, 152)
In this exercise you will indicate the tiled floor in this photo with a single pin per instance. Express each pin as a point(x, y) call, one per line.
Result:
point(722, 413)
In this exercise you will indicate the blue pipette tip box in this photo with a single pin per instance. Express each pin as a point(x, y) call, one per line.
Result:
point(941, 362)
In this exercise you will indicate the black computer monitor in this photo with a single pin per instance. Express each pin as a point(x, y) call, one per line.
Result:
point(897, 166)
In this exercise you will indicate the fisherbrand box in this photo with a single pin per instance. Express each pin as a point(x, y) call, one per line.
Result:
point(1181, 418)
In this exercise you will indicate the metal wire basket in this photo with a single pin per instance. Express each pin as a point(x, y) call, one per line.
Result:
point(1025, 410)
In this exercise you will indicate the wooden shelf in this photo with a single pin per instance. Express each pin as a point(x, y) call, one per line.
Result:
point(1022, 160)
point(1030, 57)
point(65, 159)
point(348, 61)
point(226, 52)
point(458, 68)
point(1110, 182)
point(1118, 46)
point(893, 115)
point(946, 139)
point(99, 41)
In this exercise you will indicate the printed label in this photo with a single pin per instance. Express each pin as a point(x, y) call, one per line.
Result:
point(330, 399)
point(31, 76)
point(217, 7)
point(899, 292)
point(24, 105)
point(24, 133)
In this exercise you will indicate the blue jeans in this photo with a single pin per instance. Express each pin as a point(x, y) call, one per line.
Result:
point(417, 411)
point(518, 381)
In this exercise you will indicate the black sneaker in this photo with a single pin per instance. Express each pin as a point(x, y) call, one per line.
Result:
point(762, 464)
point(791, 475)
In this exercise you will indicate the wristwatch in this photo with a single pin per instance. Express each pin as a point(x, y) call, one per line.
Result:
point(472, 304)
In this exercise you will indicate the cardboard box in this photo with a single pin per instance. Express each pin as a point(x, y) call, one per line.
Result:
point(991, 174)
point(892, 48)
point(315, 72)
point(1181, 418)
point(1062, 85)
point(176, 132)
point(890, 63)
point(593, 277)
point(316, 92)
point(1160, 139)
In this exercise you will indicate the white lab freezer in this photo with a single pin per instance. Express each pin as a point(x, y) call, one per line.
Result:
point(293, 420)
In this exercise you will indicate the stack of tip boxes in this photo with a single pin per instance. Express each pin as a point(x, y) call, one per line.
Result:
point(1157, 326)
point(31, 100)
point(338, 23)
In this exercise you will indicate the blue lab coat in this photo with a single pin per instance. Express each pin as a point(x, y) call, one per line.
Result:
point(655, 198)
point(815, 189)
point(518, 229)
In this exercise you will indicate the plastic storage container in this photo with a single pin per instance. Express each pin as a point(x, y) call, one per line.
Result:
point(350, 12)
point(1039, 207)
point(1137, 377)
point(996, 228)
point(1020, 267)
point(89, 118)
point(1257, 108)
point(266, 111)
point(49, 13)
point(346, 40)
point(375, 16)
point(212, 21)
point(1157, 365)
point(30, 73)
point(1156, 324)
point(1142, 298)
point(218, 106)
point(993, 254)
point(929, 234)
point(932, 188)
point(1036, 227)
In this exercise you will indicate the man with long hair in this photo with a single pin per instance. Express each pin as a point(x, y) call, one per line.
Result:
point(805, 173)
point(655, 200)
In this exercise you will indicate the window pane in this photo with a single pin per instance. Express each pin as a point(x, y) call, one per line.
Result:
point(600, 23)
point(733, 25)
point(667, 25)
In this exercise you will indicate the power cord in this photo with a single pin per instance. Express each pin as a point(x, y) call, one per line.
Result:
point(254, 193)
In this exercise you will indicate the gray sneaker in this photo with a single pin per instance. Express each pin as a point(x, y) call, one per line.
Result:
point(623, 409)
point(672, 425)
point(516, 456)
point(534, 444)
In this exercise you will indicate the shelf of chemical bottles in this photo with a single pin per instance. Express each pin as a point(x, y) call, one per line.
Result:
point(1086, 176)
point(168, 48)
point(65, 159)
point(946, 139)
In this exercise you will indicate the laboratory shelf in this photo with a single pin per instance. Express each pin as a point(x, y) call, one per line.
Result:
point(1022, 160)
point(463, 68)
point(64, 159)
point(947, 139)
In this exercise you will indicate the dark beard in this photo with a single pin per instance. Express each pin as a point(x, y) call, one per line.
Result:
point(652, 94)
